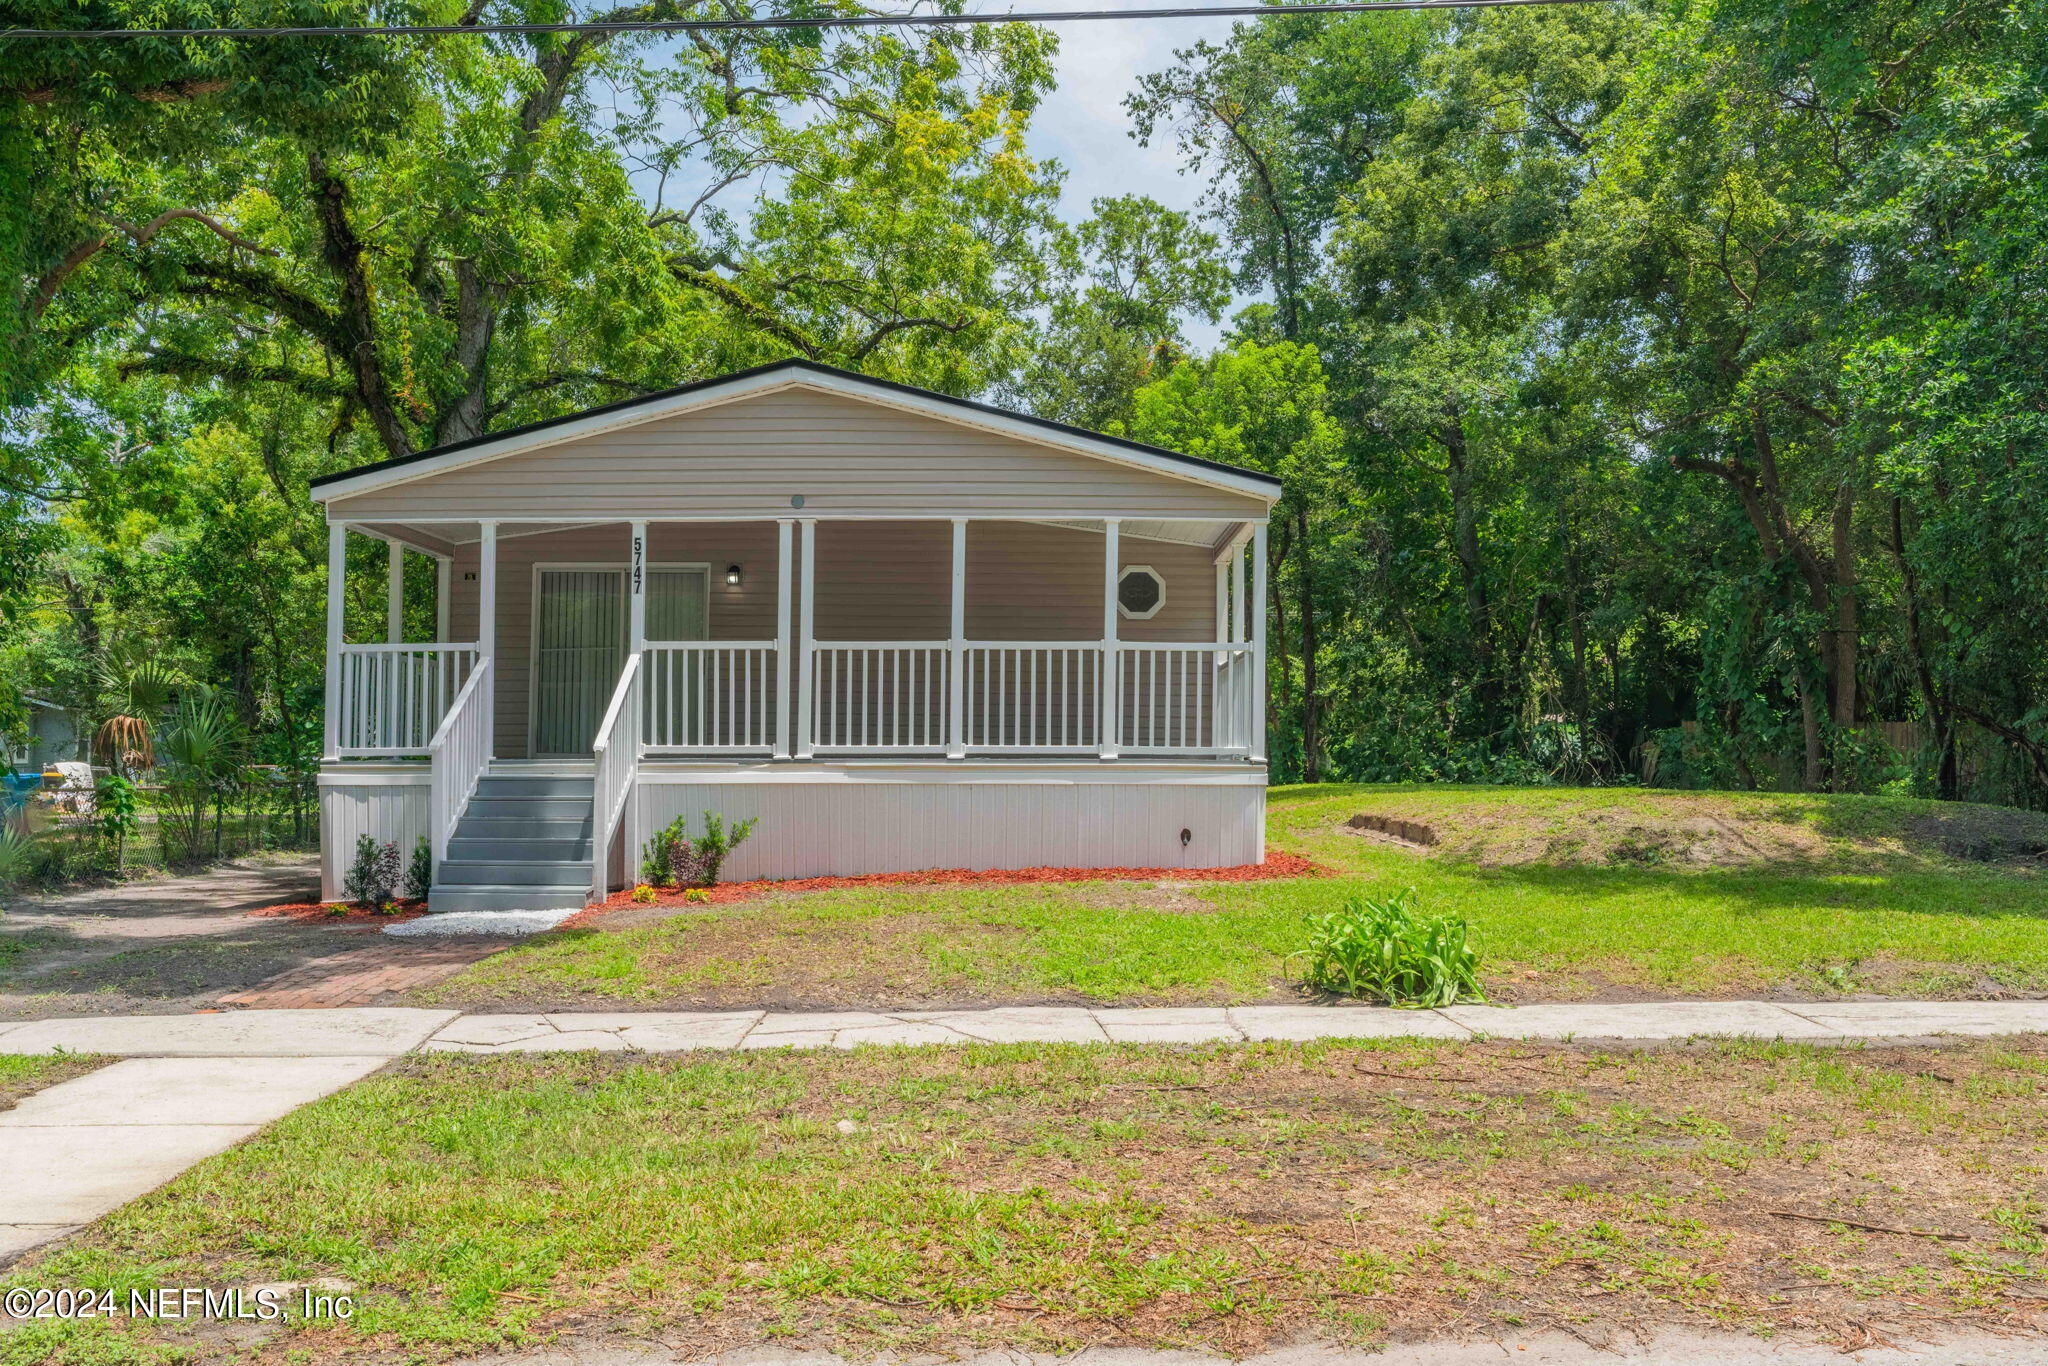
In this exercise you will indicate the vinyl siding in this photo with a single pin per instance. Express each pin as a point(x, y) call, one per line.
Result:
point(390, 812)
point(1025, 817)
point(876, 581)
point(747, 458)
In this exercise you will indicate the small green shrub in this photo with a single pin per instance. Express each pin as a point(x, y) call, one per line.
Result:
point(672, 858)
point(117, 812)
point(372, 878)
point(419, 874)
point(644, 895)
point(1385, 950)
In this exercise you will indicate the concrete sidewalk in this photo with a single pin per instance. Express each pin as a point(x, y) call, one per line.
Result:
point(76, 1150)
point(386, 1033)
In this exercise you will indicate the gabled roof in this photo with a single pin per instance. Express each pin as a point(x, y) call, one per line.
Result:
point(783, 374)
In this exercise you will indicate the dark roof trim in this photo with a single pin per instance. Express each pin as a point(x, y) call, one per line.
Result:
point(929, 395)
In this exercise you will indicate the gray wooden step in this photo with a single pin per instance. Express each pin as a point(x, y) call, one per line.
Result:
point(523, 828)
point(574, 851)
point(510, 873)
point(507, 898)
point(530, 808)
point(499, 785)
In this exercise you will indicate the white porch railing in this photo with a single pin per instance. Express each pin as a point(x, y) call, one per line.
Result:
point(1035, 697)
point(880, 696)
point(1172, 698)
point(617, 752)
point(711, 696)
point(393, 698)
point(457, 756)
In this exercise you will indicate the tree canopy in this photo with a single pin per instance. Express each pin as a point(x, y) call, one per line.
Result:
point(1658, 386)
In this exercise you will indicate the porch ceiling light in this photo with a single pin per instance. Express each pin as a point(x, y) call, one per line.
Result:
point(732, 575)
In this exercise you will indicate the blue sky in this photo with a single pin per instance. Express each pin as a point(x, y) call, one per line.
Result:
point(1084, 124)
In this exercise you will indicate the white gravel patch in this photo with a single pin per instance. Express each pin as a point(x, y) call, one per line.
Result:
point(479, 922)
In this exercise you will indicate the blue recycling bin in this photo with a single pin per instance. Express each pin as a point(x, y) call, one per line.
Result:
point(14, 790)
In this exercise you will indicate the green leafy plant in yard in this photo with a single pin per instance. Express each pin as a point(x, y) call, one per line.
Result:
point(654, 865)
point(419, 873)
point(644, 895)
point(673, 858)
point(117, 811)
point(372, 877)
point(1386, 950)
point(200, 752)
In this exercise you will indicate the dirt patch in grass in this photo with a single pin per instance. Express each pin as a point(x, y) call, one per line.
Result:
point(1223, 1199)
point(24, 1074)
point(1652, 829)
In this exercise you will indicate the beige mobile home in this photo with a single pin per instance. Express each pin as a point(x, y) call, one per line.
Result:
point(903, 630)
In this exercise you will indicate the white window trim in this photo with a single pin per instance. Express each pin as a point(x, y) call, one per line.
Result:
point(1126, 613)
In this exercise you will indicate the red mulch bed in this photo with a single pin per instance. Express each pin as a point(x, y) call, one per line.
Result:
point(1275, 866)
point(342, 912)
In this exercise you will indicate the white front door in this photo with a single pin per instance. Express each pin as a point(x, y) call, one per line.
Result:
point(580, 644)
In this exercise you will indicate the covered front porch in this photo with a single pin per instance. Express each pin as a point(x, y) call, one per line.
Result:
point(796, 641)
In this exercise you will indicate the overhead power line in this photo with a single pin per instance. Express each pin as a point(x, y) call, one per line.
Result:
point(788, 22)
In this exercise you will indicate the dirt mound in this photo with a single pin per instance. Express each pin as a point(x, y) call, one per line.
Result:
point(1638, 828)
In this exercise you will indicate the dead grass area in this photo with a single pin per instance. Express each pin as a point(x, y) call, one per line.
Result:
point(1223, 1199)
point(22, 1075)
point(1653, 828)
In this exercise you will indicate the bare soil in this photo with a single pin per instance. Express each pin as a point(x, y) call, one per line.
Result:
point(1698, 830)
point(167, 945)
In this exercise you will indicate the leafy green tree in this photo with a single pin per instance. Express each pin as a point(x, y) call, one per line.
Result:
point(1133, 273)
point(1267, 407)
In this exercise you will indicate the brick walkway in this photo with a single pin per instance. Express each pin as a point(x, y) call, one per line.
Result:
point(360, 977)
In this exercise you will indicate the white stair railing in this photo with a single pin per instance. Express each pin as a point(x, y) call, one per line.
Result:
point(712, 697)
point(457, 756)
point(617, 752)
point(393, 698)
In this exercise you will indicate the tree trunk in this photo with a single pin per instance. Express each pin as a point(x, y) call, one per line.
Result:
point(1465, 545)
point(1948, 780)
point(343, 252)
point(1311, 703)
point(1847, 629)
point(1813, 776)
point(1281, 705)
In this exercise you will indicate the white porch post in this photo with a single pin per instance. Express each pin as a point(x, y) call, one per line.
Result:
point(394, 592)
point(636, 590)
point(442, 578)
point(1222, 602)
point(1236, 626)
point(1111, 710)
point(956, 657)
point(1256, 604)
point(784, 529)
point(487, 623)
point(337, 588)
point(807, 627)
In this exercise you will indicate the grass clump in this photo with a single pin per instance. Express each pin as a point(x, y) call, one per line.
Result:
point(1384, 949)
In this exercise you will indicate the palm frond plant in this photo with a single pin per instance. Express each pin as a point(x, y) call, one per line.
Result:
point(201, 754)
point(133, 693)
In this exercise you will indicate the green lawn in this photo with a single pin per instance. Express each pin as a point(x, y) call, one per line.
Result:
point(1571, 892)
point(1219, 1198)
